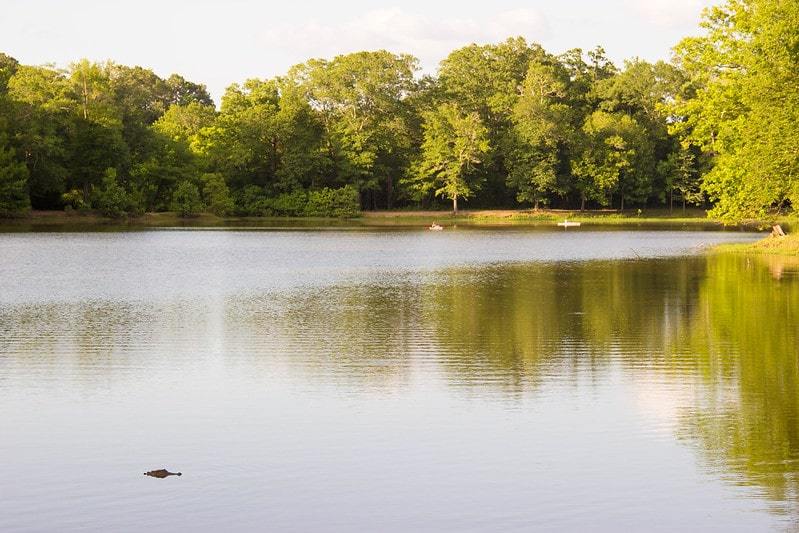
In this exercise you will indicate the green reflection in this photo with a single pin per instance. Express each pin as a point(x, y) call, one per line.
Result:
point(746, 336)
point(720, 331)
point(724, 327)
point(524, 319)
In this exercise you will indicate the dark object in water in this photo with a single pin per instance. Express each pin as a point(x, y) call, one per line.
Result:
point(161, 474)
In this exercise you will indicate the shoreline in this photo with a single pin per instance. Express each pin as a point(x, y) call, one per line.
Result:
point(418, 218)
point(787, 246)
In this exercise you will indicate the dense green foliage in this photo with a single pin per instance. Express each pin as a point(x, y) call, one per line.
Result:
point(186, 201)
point(13, 181)
point(742, 108)
point(454, 145)
point(112, 199)
point(501, 125)
point(216, 195)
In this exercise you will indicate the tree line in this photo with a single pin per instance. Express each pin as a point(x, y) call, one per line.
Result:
point(499, 125)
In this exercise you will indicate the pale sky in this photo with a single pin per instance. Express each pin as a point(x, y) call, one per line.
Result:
point(220, 42)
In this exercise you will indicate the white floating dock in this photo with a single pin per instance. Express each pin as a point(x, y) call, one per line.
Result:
point(567, 224)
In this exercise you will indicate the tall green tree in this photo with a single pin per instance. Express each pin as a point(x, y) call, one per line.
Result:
point(485, 79)
point(608, 163)
point(93, 94)
point(301, 138)
point(642, 91)
point(681, 173)
point(455, 144)
point(586, 70)
point(140, 98)
point(8, 67)
point(153, 178)
point(14, 199)
point(363, 100)
point(184, 124)
point(181, 91)
point(744, 105)
point(244, 143)
point(41, 116)
point(96, 142)
point(540, 135)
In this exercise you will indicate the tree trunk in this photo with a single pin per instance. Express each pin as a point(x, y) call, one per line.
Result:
point(273, 162)
point(455, 204)
point(85, 98)
point(389, 192)
point(671, 201)
point(582, 202)
point(683, 204)
point(535, 207)
point(622, 203)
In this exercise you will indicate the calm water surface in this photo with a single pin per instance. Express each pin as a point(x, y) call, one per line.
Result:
point(383, 380)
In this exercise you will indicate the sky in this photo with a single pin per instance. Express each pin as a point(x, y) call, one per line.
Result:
point(218, 42)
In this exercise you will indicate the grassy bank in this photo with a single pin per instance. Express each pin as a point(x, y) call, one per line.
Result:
point(44, 220)
point(785, 246)
point(541, 217)
point(62, 221)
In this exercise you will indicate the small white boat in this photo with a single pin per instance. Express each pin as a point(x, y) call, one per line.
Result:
point(567, 224)
point(436, 227)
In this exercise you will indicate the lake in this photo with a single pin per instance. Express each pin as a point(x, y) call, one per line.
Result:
point(386, 380)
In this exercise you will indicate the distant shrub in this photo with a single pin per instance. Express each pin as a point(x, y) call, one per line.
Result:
point(289, 204)
point(112, 200)
point(251, 202)
point(341, 203)
point(216, 194)
point(74, 200)
point(186, 200)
